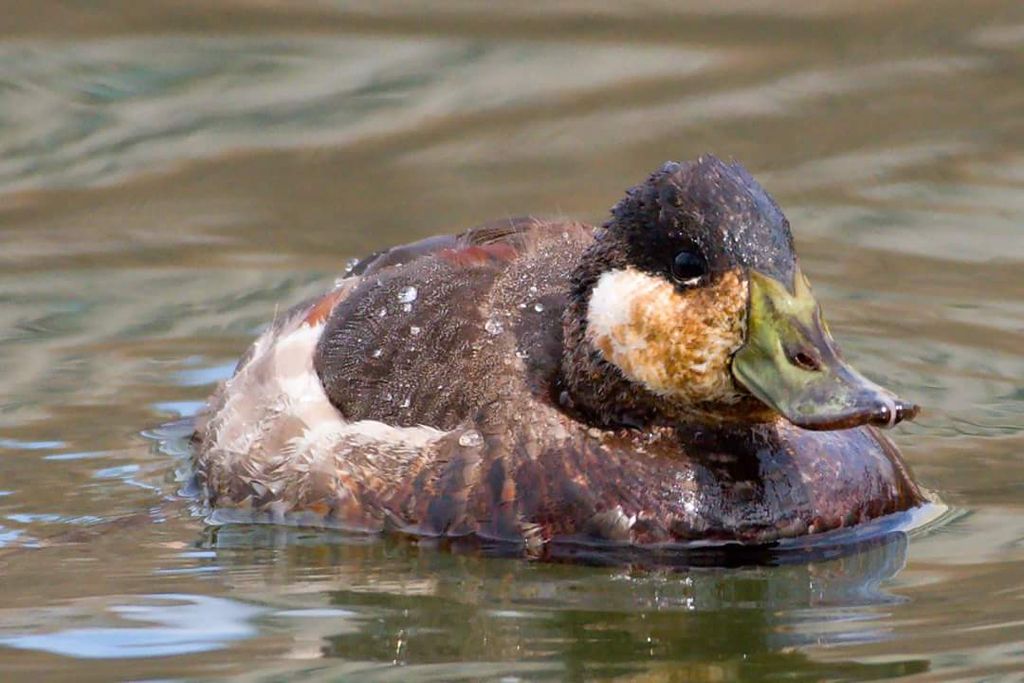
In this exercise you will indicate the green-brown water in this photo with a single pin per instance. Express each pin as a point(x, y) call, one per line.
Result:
point(170, 172)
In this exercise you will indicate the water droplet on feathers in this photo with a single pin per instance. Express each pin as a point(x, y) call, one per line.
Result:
point(413, 330)
point(471, 439)
point(539, 307)
point(493, 326)
point(406, 295)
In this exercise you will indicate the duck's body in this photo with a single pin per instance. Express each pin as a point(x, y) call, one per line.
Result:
point(486, 384)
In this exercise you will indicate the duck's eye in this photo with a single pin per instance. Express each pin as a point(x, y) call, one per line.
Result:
point(688, 267)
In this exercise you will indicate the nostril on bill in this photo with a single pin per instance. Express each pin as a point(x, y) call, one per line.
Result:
point(808, 360)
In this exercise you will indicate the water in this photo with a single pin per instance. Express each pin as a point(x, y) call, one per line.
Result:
point(170, 174)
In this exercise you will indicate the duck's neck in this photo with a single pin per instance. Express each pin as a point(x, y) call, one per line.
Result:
point(591, 387)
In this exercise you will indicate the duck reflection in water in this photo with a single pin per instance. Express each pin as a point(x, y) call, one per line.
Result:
point(505, 617)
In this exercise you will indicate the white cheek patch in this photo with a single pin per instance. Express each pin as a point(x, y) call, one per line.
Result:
point(617, 324)
point(613, 304)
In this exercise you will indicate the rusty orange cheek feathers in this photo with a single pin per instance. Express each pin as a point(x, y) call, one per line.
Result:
point(675, 343)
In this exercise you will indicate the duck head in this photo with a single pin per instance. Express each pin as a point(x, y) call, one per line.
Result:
point(691, 305)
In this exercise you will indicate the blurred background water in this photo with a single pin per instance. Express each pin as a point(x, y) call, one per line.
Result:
point(172, 171)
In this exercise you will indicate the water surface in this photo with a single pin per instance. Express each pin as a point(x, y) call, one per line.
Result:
point(172, 172)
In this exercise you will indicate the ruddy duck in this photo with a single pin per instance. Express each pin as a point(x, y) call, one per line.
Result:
point(667, 377)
